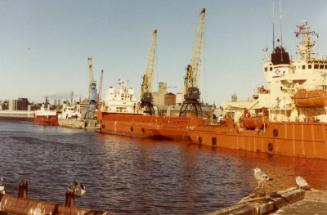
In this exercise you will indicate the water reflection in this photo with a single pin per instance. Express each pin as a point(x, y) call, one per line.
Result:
point(133, 176)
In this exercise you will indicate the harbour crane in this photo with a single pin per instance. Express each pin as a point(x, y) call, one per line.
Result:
point(100, 87)
point(146, 87)
point(90, 111)
point(191, 101)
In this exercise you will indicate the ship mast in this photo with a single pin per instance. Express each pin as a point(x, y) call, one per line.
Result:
point(146, 87)
point(306, 42)
point(191, 82)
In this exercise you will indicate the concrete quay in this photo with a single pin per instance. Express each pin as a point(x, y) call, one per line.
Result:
point(17, 115)
point(290, 201)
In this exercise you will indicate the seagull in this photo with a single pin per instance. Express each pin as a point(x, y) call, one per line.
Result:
point(302, 183)
point(77, 188)
point(261, 177)
point(2, 186)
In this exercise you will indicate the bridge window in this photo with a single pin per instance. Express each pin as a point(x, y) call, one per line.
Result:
point(270, 68)
point(321, 66)
point(266, 69)
point(303, 66)
point(309, 66)
point(326, 66)
point(316, 66)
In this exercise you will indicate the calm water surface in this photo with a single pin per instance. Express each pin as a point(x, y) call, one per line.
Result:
point(133, 176)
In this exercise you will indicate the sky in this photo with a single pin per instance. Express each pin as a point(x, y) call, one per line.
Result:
point(44, 44)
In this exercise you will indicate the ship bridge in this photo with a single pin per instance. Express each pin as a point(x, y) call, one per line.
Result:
point(288, 77)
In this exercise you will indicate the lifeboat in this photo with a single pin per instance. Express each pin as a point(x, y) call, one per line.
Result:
point(312, 98)
point(253, 122)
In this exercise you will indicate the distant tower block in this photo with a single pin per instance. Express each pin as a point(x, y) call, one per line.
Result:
point(12, 105)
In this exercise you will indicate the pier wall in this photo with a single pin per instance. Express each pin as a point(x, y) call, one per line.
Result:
point(17, 115)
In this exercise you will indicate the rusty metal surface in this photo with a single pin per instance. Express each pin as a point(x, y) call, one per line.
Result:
point(22, 205)
point(23, 189)
point(15, 205)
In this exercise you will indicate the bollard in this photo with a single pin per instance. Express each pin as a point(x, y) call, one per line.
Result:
point(23, 189)
point(69, 199)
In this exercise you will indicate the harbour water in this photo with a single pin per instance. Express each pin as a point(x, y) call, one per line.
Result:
point(134, 176)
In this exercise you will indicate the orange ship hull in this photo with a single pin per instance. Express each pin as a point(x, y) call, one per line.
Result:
point(308, 140)
point(144, 126)
point(46, 120)
point(297, 139)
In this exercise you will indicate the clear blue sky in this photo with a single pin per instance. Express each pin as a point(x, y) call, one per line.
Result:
point(44, 44)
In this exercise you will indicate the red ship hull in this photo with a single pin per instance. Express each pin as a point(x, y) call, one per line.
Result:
point(296, 139)
point(46, 120)
point(144, 126)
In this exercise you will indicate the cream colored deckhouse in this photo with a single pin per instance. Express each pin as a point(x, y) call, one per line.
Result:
point(294, 84)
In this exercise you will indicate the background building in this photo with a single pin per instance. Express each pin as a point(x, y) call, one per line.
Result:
point(159, 96)
point(22, 104)
point(169, 99)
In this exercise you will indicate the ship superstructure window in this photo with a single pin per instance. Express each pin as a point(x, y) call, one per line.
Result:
point(309, 66)
point(316, 66)
point(321, 66)
point(303, 66)
point(270, 68)
point(326, 66)
point(266, 69)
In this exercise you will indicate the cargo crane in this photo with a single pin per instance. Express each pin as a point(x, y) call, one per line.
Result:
point(100, 88)
point(90, 111)
point(146, 87)
point(191, 103)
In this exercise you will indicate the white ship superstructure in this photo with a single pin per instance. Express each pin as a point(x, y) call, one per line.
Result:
point(71, 117)
point(45, 111)
point(120, 100)
point(70, 112)
point(297, 87)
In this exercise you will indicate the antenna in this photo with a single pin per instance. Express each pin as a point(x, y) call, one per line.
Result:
point(273, 24)
point(280, 22)
point(273, 42)
point(280, 40)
